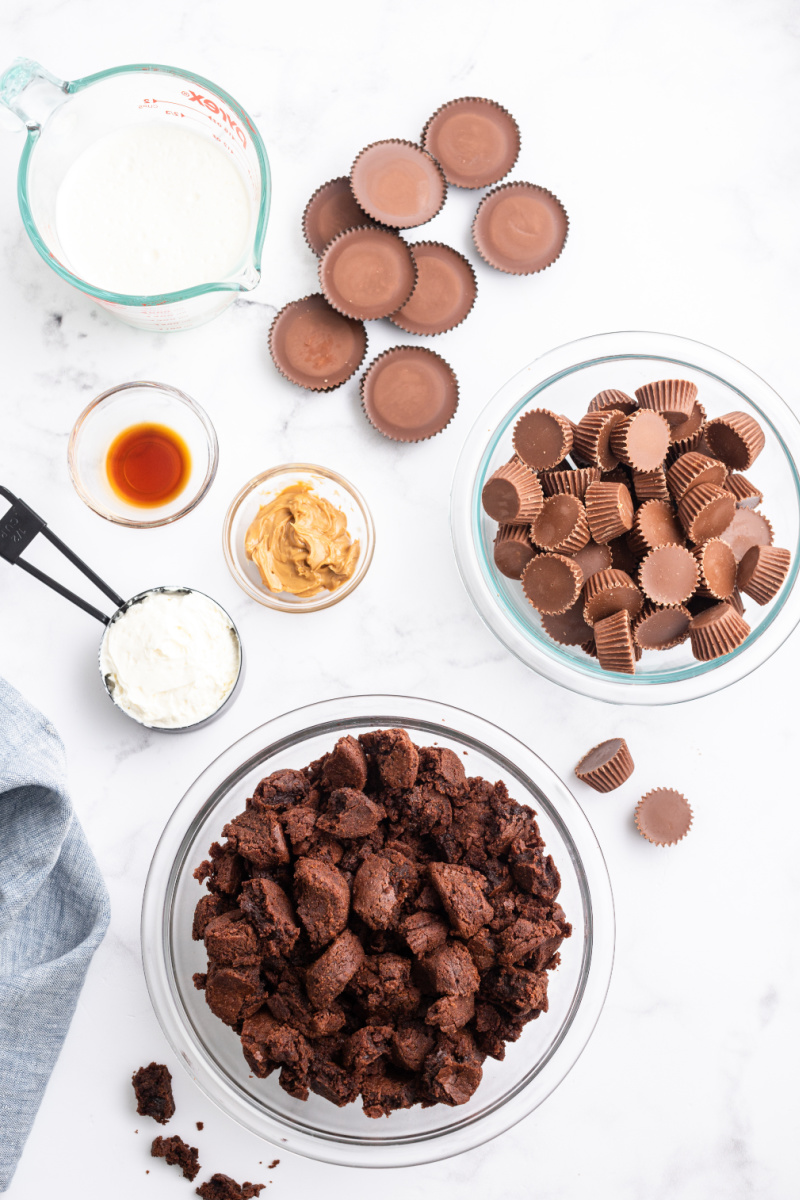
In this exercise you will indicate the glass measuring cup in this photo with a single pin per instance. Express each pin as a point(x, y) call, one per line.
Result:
point(63, 118)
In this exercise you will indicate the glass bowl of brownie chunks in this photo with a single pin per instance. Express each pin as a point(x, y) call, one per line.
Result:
point(378, 931)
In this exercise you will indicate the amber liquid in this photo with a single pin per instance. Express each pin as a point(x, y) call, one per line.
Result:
point(148, 465)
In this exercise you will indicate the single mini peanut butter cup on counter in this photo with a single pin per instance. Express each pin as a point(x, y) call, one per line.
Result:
point(673, 398)
point(609, 510)
point(608, 592)
point(746, 493)
point(650, 485)
point(762, 572)
point(717, 631)
point(409, 393)
point(669, 574)
point(706, 511)
point(641, 440)
point(613, 642)
point(542, 439)
point(568, 628)
point(330, 211)
point(737, 439)
point(512, 550)
point(569, 482)
point(661, 627)
point(513, 494)
point(561, 526)
point(607, 766)
point(398, 183)
point(552, 583)
point(444, 294)
point(592, 438)
point(475, 141)
point(663, 816)
point(717, 564)
point(315, 346)
point(747, 528)
point(654, 524)
point(611, 398)
point(367, 273)
point(520, 228)
point(692, 469)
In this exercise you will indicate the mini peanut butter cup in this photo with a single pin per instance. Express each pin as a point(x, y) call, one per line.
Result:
point(609, 510)
point(475, 141)
point(622, 557)
point(593, 438)
point(607, 766)
point(655, 524)
point(717, 564)
point(520, 228)
point(542, 439)
point(513, 494)
point(673, 398)
point(330, 211)
point(762, 572)
point(568, 628)
point(693, 468)
point(611, 398)
point(706, 511)
point(651, 485)
point(736, 602)
point(669, 574)
point(589, 647)
point(409, 393)
point(737, 439)
point(314, 346)
point(641, 440)
point(561, 526)
point(663, 816)
point(593, 558)
point(690, 429)
point(717, 631)
point(552, 583)
point(661, 627)
point(512, 550)
point(444, 294)
point(569, 482)
point(398, 183)
point(367, 273)
point(609, 592)
point(614, 643)
point(747, 528)
point(746, 493)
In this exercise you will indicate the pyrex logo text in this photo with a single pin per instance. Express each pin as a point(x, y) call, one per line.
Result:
point(215, 108)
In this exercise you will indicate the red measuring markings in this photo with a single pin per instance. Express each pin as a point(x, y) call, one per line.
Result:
point(206, 102)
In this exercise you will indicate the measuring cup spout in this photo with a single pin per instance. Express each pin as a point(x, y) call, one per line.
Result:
point(31, 92)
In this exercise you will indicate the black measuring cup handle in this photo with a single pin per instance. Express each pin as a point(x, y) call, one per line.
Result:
point(19, 525)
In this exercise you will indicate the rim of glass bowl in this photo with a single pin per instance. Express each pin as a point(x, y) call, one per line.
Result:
point(273, 600)
point(536, 650)
point(336, 716)
point(176, 394)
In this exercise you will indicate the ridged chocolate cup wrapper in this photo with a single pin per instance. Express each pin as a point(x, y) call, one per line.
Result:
point(622, 557)
point(331, 210)
point(314, 346)
point(692, 469)
point(762, 572)
point(641, 440)
point(673, 398)
point(568, 628)
point(609, 510)
point(614, 643)
point(661, 626)
point(608, 592)
point(593, 558)
point(746, 493)
point(551, 583)
point(542, 438)
point(717, 631)
point(651, 485)
point(589, 647)
point(706, 511)
point(736, 439)
point(717, 564)
point(669, 574)
point(593, 438)
point(561, 526)
point(520, 228)
point(611, 398)
point(513, 494)
point(654, 524)
point(663, 816)
point(512, 550)
point(607, 766)
point(445, 291)
point(569, 483)
point(367, 273)
point(398, 183)
point(409, 393)
point(476, 141)
point(747, 528)
point(736, 602)
point(691, 429)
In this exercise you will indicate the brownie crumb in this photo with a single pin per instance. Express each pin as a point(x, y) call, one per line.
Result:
point(274, 1164)
point(222, 1187)
point(199, 1125)
point(153, 1088)
point(178, 1154)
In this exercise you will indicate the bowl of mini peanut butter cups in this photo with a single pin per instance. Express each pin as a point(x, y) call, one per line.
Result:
point(626, 518)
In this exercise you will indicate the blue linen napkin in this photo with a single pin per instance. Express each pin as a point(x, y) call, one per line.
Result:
point(53, 915)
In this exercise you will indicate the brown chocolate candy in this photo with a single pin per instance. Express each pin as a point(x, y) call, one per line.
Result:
point(513, 494)
point(688, 430)
point(568, 628)
point(747, 528)
point(520, 228)
point(315, 346)
point(717, 631)
point(655, 524)
point(609, 510)
point(614, 643)
point(552, 582)
point(692, 469)
point(673, 398)
point(663, 816)
point(409, 393)
point(593, 438)
point(641, 440)
point(475, 141)
point(444, 294)
point(608, 592)
point(564, 481)
point(593, 558)
point(651, 485)
point(737, 439)
point(717, 564)
point(659, 627)
point(561, 525)
point(746, 493)
point(607, 766)
point(706, 511)
point(762, 572)
point(330, 211)
point(669, 574)
point(542, 439)
point(611, 398)
point(398, 183)
point(367, 273)
point(512, 550)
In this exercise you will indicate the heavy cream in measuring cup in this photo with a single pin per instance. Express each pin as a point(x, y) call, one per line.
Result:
point(153, 208)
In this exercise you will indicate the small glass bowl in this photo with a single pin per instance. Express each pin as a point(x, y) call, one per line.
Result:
point(263, 488)
point(211, 1052)
point(565, 380)
point(135, 404)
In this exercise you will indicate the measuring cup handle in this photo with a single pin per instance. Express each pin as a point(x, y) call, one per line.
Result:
point(45, 91)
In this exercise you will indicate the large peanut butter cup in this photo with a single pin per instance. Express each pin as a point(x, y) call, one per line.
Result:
point(476, 141)
point(654, 524)
point(552, 583)
point(614, 643)
point(561, 526)
point(542, 439)
point(398, 183)
point(367, 273)
point(611, 398)
point(641, 440)
point(608, 592)
point(330, 211)
point(409, 393)
point(592, 438)
point(568, 628)
point(706, 511)
point(661, 627)
point(717, 631)
point(747, 528)
point(609, 510)
point(737, 439)
point(746, 493)
point(673, 398)
point(314, 346)
point(669, 574)
point(444, 294)
point(520, 228)
point(513, 494)
point(717, 564)
point(607, 766)
point(568, 482)
point(693, 468)
point(512, 550)
point(762, 572)
point(663, 816)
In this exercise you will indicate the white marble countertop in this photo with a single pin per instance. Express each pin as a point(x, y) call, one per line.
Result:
point(671, 135)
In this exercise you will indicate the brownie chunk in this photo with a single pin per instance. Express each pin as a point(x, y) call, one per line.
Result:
point(231, 940)
point(178, 1154)
point(384, 987)
point(461, 891)
point(450, 971)
point(229, 990)
point(270, 910)
point(423, 932)
point(453, 1070)
point(258, 837)
point(351, 814)
point(153, 1088)
point(222, 1187)
point(323, 899)
point(386, 1090)
point(280, 790)
point(451, 1013)
point(381, 886)
point(444, 769)
point(345, 766)
point(536, 873)
point(268, 1043)
point(330, 974)
point(395, 756)
point(208, 907)
point(411, 1045)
